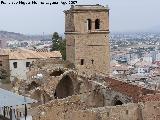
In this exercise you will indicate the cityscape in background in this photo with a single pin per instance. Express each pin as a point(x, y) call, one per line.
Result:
point(86, 73)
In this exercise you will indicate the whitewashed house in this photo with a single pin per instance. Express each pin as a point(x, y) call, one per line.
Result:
point(20, 61)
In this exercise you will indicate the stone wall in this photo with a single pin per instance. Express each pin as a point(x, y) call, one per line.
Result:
point(150, 110)
point(73, 108)
point(125, 112)
point(58, 109)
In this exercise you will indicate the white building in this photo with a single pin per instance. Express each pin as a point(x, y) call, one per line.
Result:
point(20, 61)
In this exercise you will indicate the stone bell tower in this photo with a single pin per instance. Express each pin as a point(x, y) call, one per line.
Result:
point(87, 38)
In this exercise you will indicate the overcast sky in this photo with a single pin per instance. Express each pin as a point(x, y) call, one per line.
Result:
point(125, 15)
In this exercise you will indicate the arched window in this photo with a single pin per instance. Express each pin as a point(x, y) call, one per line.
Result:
point(89, 24)
point(97, 24)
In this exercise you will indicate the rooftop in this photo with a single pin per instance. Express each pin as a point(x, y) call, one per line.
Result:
point(96, 7)
point(21, 55)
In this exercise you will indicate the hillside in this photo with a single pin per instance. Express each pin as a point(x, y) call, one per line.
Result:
point(4, 35)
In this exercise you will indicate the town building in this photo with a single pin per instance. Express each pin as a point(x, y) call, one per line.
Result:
point(21, 60)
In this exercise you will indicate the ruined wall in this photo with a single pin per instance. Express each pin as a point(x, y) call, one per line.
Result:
point(106, 95)
point(57, 109)
point(74, 108)
point(125, 112)
point(128, 89)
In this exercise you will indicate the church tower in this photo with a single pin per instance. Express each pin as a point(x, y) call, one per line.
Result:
point(87, 38)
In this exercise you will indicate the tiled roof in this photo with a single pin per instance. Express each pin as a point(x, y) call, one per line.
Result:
point(20, 55)
point(130, 90)
point(29, 54)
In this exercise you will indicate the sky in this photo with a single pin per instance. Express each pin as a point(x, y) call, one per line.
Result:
point(125, 16)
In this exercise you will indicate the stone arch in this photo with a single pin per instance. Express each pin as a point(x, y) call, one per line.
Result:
point(64, 88)
point(117, 101)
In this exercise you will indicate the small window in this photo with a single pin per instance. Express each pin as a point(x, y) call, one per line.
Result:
point(127, 112)
point(89, 24)
point(97, 24)
point(92, 61)
point(82, 61)
point(0, 63)
point(27, 64)
point(15, 64)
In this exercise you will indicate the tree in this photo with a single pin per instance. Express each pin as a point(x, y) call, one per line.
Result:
point(59, 44)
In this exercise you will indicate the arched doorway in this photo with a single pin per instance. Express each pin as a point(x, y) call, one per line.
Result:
point(64, 88)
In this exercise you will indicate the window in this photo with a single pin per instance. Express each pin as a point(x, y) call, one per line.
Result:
point(89, 24)
point(127, 112)
point(92, 61)
point(97, 24)
point(27, 64)
point(82, 61)
point(15, 64)
point(0, 63)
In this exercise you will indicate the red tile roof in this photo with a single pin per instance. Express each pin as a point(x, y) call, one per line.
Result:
point(133, 91)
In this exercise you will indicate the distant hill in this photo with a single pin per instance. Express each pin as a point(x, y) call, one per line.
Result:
point(5, 35)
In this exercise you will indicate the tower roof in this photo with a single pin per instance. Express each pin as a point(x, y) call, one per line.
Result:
point(96, 7)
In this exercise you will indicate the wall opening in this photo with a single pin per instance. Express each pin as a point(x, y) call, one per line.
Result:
point(97, 24)
point(64, 88)
point(27, 64)
point(0, 63)
point(56, 73)
point(82, 61)
point(92, 61)
point(118, 102)
point(89, 24)
point(15, 64)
